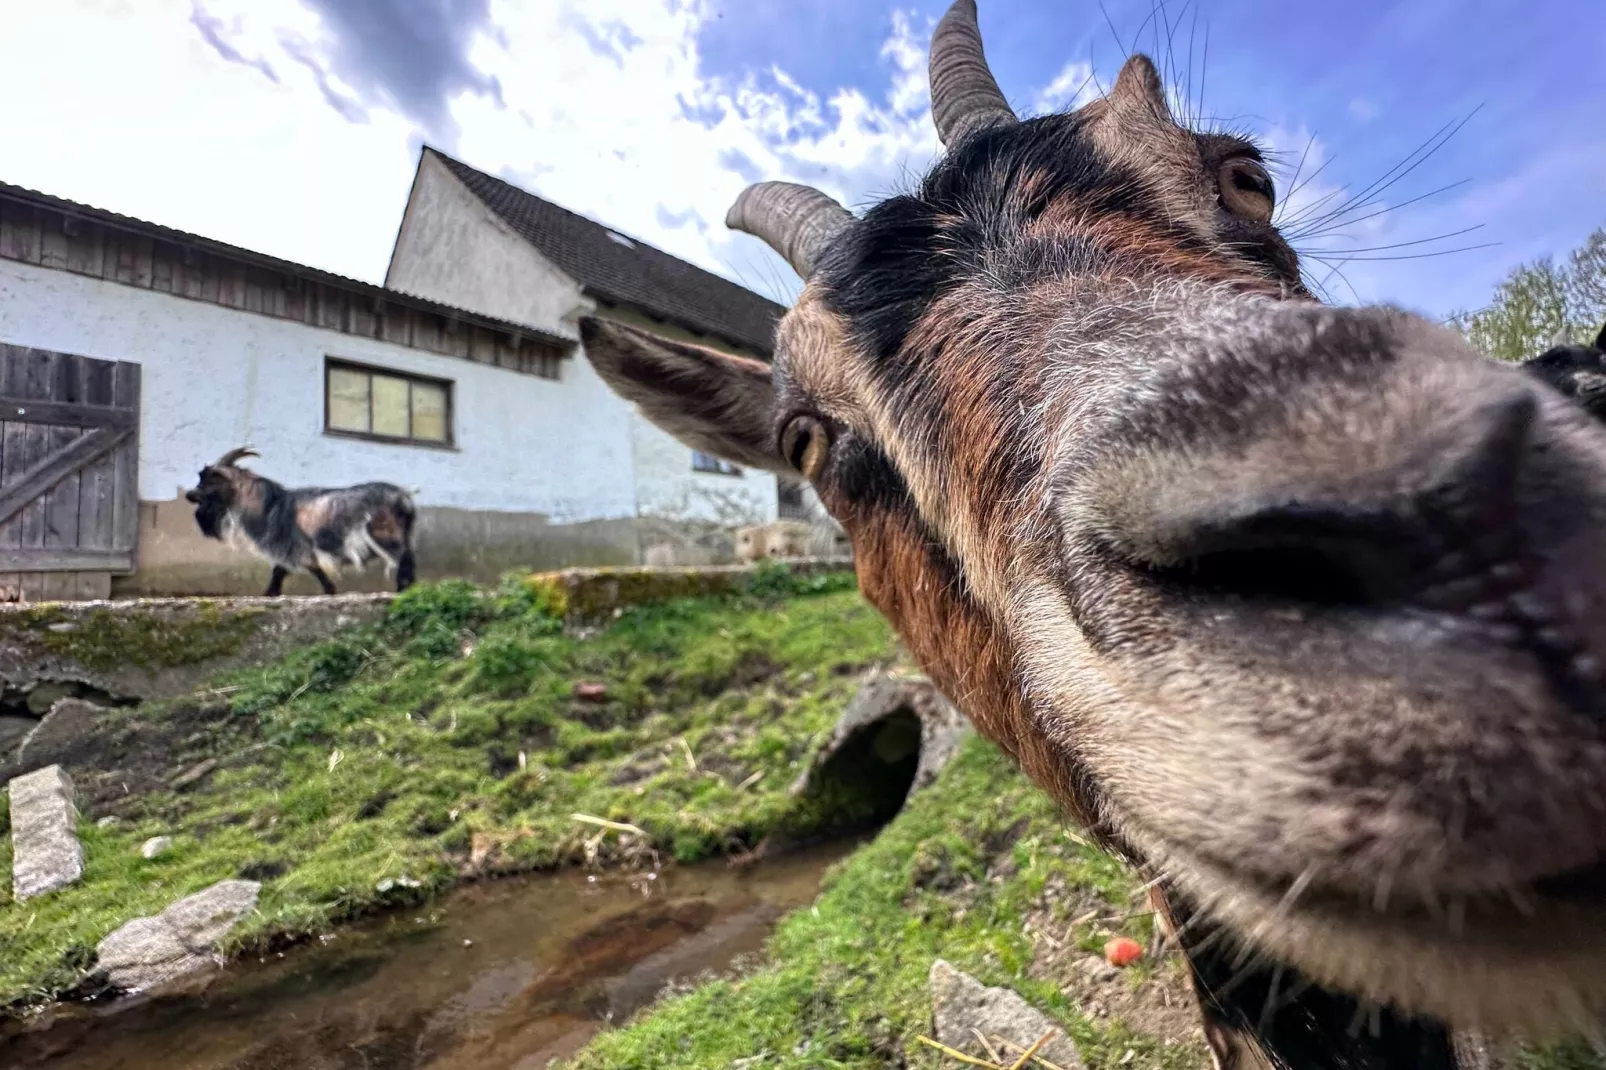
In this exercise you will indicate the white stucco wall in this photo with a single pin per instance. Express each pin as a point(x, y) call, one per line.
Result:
point(454, 249)
point(215, 378)
point(668, 487)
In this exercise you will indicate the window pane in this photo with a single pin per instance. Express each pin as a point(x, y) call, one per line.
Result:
point(429, 412)
point(390, 406)
point(348, 400)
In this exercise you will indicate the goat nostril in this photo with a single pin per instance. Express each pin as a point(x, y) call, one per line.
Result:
point(1291, 554)
point(1440, 546)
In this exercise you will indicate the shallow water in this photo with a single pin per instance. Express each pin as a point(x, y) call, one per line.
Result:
point(512, 974)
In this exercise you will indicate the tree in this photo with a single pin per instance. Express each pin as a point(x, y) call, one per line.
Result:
point(1541, 304)
point(1586, 283)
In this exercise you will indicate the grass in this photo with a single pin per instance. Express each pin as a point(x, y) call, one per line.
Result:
point(448, 739)
point(962, 874)
point(972, 871)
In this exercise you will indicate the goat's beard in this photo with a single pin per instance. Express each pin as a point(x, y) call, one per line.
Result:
point(209, 517)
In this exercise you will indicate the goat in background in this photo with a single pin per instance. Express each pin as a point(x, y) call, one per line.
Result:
point(312, 528)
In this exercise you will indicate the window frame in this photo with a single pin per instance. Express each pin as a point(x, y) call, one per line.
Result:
point(447, 386)
point(721, 467)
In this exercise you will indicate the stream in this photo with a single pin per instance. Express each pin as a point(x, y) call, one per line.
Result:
point(500, 975)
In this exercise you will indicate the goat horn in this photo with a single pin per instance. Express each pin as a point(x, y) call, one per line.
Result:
point(796, 221)
point(232, 456)
point(964, 96)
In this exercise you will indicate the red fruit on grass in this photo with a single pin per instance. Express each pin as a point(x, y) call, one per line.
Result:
point(591, 692)
point(1122, 951)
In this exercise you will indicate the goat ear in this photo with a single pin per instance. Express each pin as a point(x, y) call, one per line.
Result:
point(711, 401)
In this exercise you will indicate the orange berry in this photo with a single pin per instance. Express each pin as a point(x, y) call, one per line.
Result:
point(1122, 951)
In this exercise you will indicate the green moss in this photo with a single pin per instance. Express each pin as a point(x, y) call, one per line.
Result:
point(394, 748)
point(591, 597)
point(105, 639)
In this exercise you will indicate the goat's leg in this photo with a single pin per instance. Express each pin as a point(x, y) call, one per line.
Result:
point(406, 566)
point(323, 579)
point(406, 570)
point(276, 582)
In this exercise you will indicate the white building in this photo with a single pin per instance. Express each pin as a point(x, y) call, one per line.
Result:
point(469, 387)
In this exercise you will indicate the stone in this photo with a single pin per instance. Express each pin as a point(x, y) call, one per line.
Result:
point(108, 822)
point(68, 721)
point(192, 774)
point(155, 846)
point(45, 694)
point(181, 940)
point(46, 854)
point(961, 1006)
point(1098, 971)
point(13, 730)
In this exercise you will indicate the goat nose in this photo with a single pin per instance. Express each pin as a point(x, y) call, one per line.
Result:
point(1436, 542)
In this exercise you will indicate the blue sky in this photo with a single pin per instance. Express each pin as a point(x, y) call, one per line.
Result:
point(292, 126)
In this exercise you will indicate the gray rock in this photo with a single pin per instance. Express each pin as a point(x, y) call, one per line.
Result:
point(193, 774)
point(110, 821)
point(962, 1005)
point(942, 727)
point(45, 694)
point(1097, 970)
point(68, 721)
point(155, 846)
point(180, 940)
point(46, 854)
point(13, 730)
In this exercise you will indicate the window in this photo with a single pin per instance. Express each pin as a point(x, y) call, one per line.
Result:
point(789, 500)
point(702, 462)
point(377, 403)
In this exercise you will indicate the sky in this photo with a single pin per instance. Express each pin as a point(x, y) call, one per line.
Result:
point(293, 127)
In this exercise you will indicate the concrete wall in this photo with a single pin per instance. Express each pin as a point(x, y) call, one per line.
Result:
point(476, 544)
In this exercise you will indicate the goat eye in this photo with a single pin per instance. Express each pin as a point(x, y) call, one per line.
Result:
point(805, 444)
point(1246, 189)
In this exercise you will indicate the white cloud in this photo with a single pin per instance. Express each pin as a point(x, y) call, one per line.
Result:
point(1362, 110)
point(602, 105)
point(251, 151)
point(157, 125)
point(1072, 87)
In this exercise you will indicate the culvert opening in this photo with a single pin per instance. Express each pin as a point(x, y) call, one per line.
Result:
point(863, 784)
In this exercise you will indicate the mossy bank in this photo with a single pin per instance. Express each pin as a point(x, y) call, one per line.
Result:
point(458, 735)
point(980, 870)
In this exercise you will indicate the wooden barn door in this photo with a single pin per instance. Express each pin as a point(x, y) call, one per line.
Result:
point(69, 470)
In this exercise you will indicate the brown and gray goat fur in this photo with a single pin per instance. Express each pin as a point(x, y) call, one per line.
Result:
point(313, 528)
point(1578, 371)
point(1300, 609)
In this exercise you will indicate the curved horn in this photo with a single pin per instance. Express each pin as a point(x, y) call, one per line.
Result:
point(229, 458)
point(796, 221)
point(964, 96)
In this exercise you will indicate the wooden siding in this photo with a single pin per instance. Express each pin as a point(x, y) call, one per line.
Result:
point(34, 234)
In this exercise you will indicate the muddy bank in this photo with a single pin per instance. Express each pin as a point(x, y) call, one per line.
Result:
point(506, 974)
